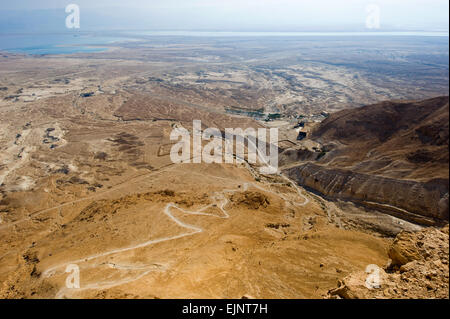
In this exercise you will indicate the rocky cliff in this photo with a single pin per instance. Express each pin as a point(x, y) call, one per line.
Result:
point(421, 202)
point(418, 268)
point(391, 156)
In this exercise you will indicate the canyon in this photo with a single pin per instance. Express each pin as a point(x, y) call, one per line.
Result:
point(86, 178)
point(391, 157)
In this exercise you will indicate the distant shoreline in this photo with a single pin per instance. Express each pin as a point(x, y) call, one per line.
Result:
point(286, 34)
point(96, 42)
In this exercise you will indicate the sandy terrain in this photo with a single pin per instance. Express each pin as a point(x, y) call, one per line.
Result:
point(86, 177)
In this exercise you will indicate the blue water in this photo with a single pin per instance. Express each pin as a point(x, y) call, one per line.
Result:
point(69, 43)
point(56, 43)
point(290, 34)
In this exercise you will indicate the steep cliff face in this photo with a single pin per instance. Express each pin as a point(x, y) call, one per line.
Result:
point(421, 202)
point(391, 156)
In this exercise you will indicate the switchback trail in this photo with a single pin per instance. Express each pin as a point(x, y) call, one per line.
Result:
point(220, 201)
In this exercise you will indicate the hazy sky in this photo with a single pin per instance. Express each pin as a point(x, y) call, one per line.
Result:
point(247, 14)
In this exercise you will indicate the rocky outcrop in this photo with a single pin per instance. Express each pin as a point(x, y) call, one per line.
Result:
point(418, 269)
point(252, 200)
point(391, 156)
point(421, 202)
point(25, 281)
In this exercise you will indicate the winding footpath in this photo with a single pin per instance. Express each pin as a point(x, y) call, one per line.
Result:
point(220, 201)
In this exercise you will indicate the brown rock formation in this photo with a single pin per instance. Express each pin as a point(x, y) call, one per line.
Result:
point(418, 269)
point(391, 156)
